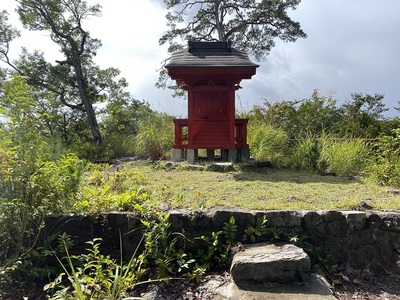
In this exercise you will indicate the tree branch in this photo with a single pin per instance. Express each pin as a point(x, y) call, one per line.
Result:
point(79, 106)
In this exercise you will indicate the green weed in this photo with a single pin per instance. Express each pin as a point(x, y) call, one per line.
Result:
point(258, 230)
point(268, 144)
point(343, 157)
point(305, 154)
point(230, 230)
point(93, 275)
point(385, 166)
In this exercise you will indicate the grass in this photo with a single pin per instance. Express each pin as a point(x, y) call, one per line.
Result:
point(266, 189)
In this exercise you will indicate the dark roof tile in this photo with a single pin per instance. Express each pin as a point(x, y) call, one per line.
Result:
point(209, 54)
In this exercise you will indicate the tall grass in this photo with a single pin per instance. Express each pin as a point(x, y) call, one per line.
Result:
point(385, 165)
point(268, 143)
point(154, 138)
point(343, 157)
point(305, 154)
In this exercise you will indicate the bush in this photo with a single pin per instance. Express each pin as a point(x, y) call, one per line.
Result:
point(385, 168)
point(343, 157)
point(91, 152)
point(102, 190)
point(155, 137)
point(35, 179)
point(305, 154)
point(93, 275)
point(30, 189)
point(268, 144)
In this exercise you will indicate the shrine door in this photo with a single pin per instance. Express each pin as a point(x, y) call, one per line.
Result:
point(211, 121)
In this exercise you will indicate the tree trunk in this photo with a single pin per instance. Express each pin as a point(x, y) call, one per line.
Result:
point(219, 22)
point(90, 114)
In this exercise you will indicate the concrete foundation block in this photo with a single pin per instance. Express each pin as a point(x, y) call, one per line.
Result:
point(244, 154)
point(232, 155)
point(192, 155)
point(177, 155)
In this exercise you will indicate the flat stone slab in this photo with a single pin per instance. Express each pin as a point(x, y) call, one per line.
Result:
point(315, 288)
point(270, 263)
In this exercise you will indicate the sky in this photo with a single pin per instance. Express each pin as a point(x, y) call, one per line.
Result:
point(352, 47)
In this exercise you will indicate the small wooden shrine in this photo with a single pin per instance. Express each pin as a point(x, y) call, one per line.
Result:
point(210, 72)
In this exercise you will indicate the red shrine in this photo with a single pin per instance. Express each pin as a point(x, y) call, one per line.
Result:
point(210, 72)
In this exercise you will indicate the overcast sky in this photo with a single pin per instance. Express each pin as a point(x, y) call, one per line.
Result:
point(352, 46)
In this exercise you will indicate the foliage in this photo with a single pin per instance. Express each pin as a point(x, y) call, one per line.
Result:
point(93, 275)
point(316, 134)
point(66, 91)
point(314, 116)
point(216, 253)
point(154, 138)
point(275, 233)
point(302, 118)
point(121, 120)
point(258, 230)
point(33, 267)
point(305, 154)
point(268, 143)
point(86, 150)
point(8, 33)
point(250, 25)
point(34, 179)
point(230, 230)
point(276, 114)
point(68, 80)
point(103, 189)
point(97, 276)
point(385, 167)
point(359, 118)
point(343, 157)
point(161, 249)
point(361, 115)
point(317, 255)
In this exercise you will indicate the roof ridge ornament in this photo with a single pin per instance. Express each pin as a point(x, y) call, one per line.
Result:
point(209, 46)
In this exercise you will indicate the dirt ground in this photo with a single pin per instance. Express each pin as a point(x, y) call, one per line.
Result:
point(383, 288)
point(377, 288)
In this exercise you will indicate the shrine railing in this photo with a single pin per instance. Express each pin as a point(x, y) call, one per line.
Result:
point(182, 132)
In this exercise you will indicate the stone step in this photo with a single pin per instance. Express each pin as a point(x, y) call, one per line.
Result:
point(270, 271)
point(270, 263)
point(315, 288)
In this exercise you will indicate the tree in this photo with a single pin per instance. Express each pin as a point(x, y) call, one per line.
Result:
point(70, 79)
point(315, 116)
point(362, 115)
point(251, 25)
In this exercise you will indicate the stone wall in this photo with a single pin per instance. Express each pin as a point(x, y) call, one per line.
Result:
point(362, 242)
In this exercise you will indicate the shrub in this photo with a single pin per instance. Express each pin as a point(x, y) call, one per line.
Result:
point(154, 138)
point(35, 179)
point(89, 151)
point(385, 168)
point(305, 154)
point(93, 275)
point(268, 143)
point(343, 157)
point(104, 189)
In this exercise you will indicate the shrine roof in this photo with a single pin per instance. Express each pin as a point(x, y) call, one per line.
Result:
point(209, 54)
